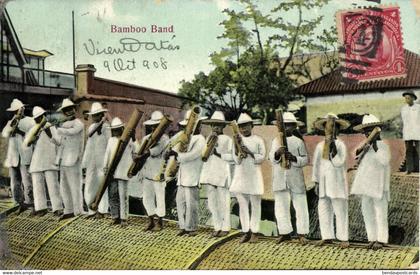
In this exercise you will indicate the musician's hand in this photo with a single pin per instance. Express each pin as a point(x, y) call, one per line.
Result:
point(135, 156)
point(333, 149)
point(48, 132)
point(172, 153)
point(247, 151)
point(19, 132)
point(375, 146)
point(99, 130)
point(216, 153)
point(84, 172)
point(316, 188)
point(281, 151)
point(291, 157)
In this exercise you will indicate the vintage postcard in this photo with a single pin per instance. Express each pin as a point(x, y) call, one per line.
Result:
point(209, 135)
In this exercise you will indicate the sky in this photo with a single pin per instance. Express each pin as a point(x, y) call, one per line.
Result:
point(47, 24)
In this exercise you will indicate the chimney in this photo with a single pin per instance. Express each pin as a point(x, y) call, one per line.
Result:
point(84, 76)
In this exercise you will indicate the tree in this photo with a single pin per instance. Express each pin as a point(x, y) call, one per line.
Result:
point(248, 76)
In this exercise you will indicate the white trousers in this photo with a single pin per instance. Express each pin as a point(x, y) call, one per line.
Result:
point(327, 208)
point(375, 216)
point(21, 185)
point(40, 196)
point(218, 200)
point(93, 179)
point(248, 222)
point(154, 197)
point(187, 202)
point(282, 201)
point(118, 199)
point(71, 189)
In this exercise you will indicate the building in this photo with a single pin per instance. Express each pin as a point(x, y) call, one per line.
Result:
point(382, 98)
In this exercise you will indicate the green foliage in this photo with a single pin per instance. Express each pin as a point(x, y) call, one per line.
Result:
point(248, 76)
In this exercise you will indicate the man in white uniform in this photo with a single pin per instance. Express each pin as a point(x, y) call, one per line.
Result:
point(330, 180)
point(410, 114)
point(43, 168)
point(18, 156)
point(371, 183)
point(187, 196)
point(69, 157)
point(216, 176)
point(117, 189)
point(93, 159)
point(289, 184)
point(153, 190)
point(247, 181)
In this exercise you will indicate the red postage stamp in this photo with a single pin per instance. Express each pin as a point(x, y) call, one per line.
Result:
point(371, 43)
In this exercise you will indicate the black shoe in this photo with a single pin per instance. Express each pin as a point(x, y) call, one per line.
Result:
point(58, 213)
point(182, 232)
point(150, 224)
point(116, 221)
point(123, 223)
point(22, 208)
point(283, 238)
point(245, 238)
point(192, 233)
point(223, 233)
point(33, 213)
point(66, 216)
point(216, 234)
point(158, 225)
point(42, 212)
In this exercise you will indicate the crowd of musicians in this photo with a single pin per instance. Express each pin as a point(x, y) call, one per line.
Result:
point(55, 158)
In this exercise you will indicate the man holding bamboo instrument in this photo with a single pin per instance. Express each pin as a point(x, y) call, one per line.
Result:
point(93, 159)
point(18, 157)
point(372, 181)
point(151, 149)
point(117, 189)
point(288, 155)
point(247, 182)
point(329, 175)
point(188, 154)
point(43, 170)
point(216, 174)
point(69, 158)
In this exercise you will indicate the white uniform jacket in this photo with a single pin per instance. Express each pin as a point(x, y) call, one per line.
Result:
point(410, 116)
point(154, 162)
point(190, 162)
point(331, 174)
point(16, 150)
point(45, 152)
point(93, 158)
point(374, 173)
point(292, 178)
point(70, 150)
point(216, 170)
point(126, 159)
point(247, 177)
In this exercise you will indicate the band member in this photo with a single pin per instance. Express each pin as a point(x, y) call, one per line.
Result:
point(410, 114)
point(153, 190)
point(69, 158)
point(247, 182)
point(18, 156)
point(93, 158)
point(190, 164)
point(372, 182)
point(216, 176)
point(289, 183)
point(43, 168)
point(117, 189)
point(329, 175)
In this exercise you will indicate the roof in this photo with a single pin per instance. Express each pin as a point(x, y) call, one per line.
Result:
point(330, 84)
point(40, 53)
point(79, 243)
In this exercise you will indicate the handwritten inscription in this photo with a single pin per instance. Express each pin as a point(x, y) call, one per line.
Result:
point(115, 61)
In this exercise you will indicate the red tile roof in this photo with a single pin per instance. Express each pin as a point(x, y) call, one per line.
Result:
point(330, 84)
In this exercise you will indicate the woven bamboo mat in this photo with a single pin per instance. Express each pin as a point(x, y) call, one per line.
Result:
point(266, 254)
